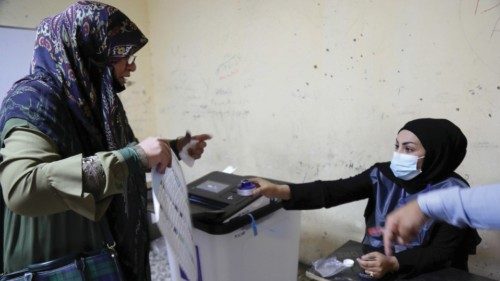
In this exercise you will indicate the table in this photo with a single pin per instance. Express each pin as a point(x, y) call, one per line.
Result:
point(352, 249)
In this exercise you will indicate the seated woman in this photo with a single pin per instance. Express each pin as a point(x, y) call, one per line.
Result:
point(427, 152)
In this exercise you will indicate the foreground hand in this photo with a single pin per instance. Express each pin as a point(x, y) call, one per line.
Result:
point(271, 190)
point(197, 150)
point(402, 225)
point(157, 152)
point(378, 264)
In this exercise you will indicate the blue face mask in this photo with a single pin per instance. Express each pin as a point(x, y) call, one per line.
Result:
point(404, 166)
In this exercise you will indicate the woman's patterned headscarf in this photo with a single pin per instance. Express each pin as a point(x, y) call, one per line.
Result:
point(77, 49)
point(70, 96)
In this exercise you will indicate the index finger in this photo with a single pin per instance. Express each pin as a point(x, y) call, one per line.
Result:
point(254, 180)
point(367, 263)
point(370, 256)
point(388, 238)
point(257, 181)
point(202, 137)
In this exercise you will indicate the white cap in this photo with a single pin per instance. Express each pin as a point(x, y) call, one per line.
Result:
point(348, 262)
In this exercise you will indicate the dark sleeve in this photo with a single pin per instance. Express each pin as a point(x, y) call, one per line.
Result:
point(444, 244)
point(327, 194)
point(173, 146)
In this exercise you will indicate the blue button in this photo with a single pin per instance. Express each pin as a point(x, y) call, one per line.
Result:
point(246, 184)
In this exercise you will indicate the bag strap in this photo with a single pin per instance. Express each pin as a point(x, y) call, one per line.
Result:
point(106, 234)
point(110, 244)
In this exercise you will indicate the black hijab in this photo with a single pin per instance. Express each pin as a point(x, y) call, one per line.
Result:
point(445, 148)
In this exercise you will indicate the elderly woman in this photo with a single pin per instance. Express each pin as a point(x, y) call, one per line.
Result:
point(427, 152)
point(69, 156)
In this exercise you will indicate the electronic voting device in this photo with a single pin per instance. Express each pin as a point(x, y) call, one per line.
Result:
point(216, 203)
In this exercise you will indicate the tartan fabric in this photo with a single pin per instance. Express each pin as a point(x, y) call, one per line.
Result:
point(100, 267)
point(69, 272)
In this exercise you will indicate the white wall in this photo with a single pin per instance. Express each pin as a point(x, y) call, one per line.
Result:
point(18, 43)
point(303, 90)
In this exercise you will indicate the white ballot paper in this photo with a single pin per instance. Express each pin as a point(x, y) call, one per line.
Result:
point(174, 219)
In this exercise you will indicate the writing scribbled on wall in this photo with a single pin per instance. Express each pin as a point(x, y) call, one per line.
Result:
point(228, 68)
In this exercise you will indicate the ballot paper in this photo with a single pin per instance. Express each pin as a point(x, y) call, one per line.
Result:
point(173, 216)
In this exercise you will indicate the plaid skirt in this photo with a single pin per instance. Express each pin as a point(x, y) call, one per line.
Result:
point(102, 266)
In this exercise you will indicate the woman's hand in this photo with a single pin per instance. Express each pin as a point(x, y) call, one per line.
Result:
point(158, 153)
point(377, 264)
point(197, 150)
point(271, 190)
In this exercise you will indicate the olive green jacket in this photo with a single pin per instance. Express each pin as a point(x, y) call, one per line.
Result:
point(48, 214)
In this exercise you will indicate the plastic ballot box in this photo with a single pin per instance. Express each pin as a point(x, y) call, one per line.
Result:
point(240, 237)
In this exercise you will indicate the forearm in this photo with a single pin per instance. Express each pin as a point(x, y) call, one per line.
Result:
point(105, 173)
point(57, 186)
point(327, 194)
point(36, 181)
point(316, 195)
point(476, 207)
